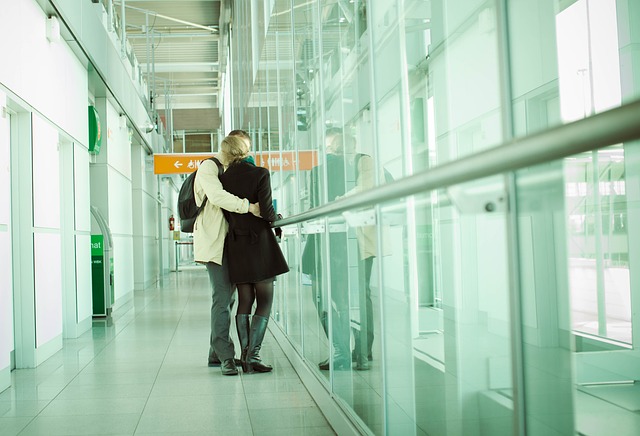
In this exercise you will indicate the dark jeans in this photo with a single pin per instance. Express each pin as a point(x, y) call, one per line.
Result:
point(366, 309)
point(221, 298)
point(340, 313)
point(338, 305)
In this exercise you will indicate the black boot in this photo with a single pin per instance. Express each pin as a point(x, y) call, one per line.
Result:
point(242, 326)
point(256, 335)
point(324, 320)
point(341, 361)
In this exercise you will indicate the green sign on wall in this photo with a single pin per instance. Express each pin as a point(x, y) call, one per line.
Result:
point(95, 131)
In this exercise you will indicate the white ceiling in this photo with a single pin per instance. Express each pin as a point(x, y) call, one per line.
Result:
point(185, 56)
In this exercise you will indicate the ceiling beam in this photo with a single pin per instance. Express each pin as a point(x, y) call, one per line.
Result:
point(177, 20)
point(186, 67)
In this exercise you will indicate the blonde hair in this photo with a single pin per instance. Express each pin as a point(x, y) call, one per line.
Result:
point(234, 149)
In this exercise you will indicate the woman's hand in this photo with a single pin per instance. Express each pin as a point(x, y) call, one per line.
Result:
point(254, 209)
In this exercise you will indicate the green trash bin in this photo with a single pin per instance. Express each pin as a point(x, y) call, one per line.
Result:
point(101, 276)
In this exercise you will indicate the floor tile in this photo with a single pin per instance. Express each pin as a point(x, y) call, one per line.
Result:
point(145, 372)
point(295, 417)
point(13, 409)
point(279, 400)
point(13, 426)
point(209, 404)
point(195, 422)
point(77, 425)
point(95, 406)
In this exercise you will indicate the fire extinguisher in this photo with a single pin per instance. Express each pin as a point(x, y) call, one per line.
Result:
point(172, 222)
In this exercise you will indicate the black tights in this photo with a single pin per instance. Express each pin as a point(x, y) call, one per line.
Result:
point(262, 292)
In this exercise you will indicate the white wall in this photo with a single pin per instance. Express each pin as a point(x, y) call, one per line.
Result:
point(120, 215)
point(76, 231)
point(169, 206)
point(46, 75)
point(145, 220)
point(111, 193)
point(82, 234)
point(46, 229)
point(6, 303)
point(47, 79)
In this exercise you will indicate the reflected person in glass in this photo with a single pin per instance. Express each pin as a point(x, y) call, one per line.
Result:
point(360, 167)
point(338, 259)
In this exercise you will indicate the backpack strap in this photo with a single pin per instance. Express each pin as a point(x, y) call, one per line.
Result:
point(219, 164)
point(220, 171)
point(356, 162)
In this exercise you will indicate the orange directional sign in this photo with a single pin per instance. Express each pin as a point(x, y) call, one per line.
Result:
point(175, 163)
point(287, 160)
point(182, 163)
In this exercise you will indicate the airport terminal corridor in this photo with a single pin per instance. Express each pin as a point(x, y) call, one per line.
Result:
point(146, 373)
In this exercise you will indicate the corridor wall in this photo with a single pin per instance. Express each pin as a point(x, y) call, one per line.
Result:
point(44, 86)
point(6, 282)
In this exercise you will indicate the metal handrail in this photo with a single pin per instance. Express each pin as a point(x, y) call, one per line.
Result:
point(597, 131)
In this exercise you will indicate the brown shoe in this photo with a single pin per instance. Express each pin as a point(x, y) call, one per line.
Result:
point(228, 367)
point(215, 362)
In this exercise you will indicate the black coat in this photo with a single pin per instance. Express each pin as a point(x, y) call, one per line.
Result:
point(335, 186)
point(251, 247)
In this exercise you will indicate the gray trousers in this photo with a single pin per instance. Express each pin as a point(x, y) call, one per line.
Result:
point(221, 298)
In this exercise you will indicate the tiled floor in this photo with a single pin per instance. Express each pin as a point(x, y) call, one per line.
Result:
point(146, 374)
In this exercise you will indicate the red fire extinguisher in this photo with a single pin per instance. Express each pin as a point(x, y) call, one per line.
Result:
point(172, 222)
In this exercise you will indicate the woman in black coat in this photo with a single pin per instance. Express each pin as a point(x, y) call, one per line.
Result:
point(252, 251)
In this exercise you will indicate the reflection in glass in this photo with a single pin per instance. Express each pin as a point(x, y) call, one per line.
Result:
point(403, 309)
point(598, 250)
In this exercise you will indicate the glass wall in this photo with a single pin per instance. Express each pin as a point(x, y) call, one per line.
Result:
point(501, 305)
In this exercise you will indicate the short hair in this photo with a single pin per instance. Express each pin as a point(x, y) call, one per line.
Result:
point(349, 143)
point(240, 133)
point(234, 148)
point(333, 131)
point(333, 141)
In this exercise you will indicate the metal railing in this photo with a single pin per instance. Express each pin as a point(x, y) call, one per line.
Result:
point(598, 131)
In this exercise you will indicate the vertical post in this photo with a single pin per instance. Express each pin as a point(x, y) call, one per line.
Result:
point(168, 109)
point(110, 14)
point(597, 238)
point(123, 32)
point(159, 230)
point(153, 73)
point(175, 243)
point(146, 28)
point(513, 230)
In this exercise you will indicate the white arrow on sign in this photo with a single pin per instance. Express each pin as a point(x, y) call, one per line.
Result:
point(177, 164)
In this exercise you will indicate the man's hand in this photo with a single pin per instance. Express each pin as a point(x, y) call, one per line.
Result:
point(254, 208)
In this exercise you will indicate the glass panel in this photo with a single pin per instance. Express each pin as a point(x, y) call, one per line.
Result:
point(307, 115)
point(431, 107)
point(599, 253)
point(447, 365)
point(576, 61)
point(378, 91)
point(581, 278)
point(545, 301)
point(289, 289)
point(315, 297)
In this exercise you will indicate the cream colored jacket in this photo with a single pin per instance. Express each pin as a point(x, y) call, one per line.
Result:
point(211, 226)
point(367, 236)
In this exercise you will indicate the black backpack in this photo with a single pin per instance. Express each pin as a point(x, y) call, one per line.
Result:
point(188, 210)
